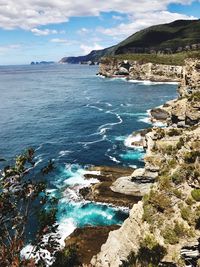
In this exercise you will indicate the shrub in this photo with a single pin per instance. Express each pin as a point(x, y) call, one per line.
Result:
point(180, 143)
point(169, 150)
point(194, 97)
point(149, 212)
point(150, 253)
point(178, 177)
point(159, 200)
point(186, 213)
point(189, 201)
point(165, 182)
point(190, 157)
point(172, 235)
point(68, 257)
point(196, 194)
point(177, 193)
point(174, 132)
point(172, 163)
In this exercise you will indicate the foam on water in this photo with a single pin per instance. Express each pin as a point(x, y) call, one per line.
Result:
point(132, 138)
point(133, 155)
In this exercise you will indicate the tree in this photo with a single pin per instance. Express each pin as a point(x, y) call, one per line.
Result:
point(21, 196)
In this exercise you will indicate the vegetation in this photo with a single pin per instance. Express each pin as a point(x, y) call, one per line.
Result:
point(190, 157)
point(196, 194)
point(21, 197)
point(159, 200)
point(195, 97)
point(68, 257)
point(170, 59)
point(150, 253)
point(172, 235)
point(174, 132)
point(160, 39)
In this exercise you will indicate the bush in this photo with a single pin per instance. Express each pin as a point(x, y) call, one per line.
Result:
point(150, 253)
point(165, 182)
point(177, 193)
point(159, 200)
point(190, 157)
point(67, 257)
point(180, 143)
point(186, 213)
point(194, 97)
point(174, 132)
point(178, 177)
point(149, 212)
point(172, 235)
point(196, 194)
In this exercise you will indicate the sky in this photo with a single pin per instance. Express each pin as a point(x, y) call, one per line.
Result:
point(36, 30)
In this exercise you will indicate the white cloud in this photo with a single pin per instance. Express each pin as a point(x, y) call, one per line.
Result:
point(117, 17)
point(87, 48)
point(5, 49)
point(84, 31)
point(29, 14)
point(141, 21)
point(60, 41)
point(44, 32)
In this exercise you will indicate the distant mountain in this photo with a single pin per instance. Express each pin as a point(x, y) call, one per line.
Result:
point(42, 62)
point(173, 37)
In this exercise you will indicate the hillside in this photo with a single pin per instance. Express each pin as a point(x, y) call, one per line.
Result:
point(180, 35)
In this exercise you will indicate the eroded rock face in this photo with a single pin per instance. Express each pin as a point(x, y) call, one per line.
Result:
point(121, 242)
point(137, 71)
point(176, 143)
point(190, 82)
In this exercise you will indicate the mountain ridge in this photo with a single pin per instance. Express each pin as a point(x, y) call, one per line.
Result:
point(177, 36)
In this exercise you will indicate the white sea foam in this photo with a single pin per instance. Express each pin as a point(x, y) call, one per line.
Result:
point(94, 107)
point(132, 138)
point(113, 158)
point(63, 153)
point(65, 228)
point(147, 82)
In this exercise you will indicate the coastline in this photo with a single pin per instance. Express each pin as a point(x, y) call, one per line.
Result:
point(137, 227)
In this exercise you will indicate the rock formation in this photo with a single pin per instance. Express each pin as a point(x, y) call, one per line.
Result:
point(164, 228)
point(134, 70)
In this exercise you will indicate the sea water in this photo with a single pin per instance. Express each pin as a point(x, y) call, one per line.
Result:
point(78, 119)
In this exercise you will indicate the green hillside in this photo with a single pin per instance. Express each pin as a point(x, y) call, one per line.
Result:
point(178, 36)
point(174, 36)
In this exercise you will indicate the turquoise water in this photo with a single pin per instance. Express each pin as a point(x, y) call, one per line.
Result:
point(78, 119)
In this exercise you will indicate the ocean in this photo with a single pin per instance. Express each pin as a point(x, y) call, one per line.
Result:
point(70, 115)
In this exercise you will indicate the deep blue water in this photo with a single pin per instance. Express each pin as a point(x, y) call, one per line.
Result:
point(69, 114)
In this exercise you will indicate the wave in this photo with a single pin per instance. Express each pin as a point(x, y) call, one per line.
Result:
point(94, 107)
point(133, 155)
point(147, 82)
point(132, 138)
point(64, 229)
point(113, 159)
point(103, 128)
point(63, 153)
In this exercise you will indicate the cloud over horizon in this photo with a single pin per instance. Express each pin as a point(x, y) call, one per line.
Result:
point(29, 14)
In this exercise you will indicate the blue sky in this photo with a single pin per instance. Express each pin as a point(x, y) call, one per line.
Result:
point(36, 30)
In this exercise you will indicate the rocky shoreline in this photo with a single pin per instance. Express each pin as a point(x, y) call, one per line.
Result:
point(135, 70)
point(167, 211)
point(169, 214)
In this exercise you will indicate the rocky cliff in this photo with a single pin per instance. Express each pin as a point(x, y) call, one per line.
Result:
point(135, 70)
point(164, 228)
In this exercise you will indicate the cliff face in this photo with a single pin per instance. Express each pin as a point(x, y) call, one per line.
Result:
point(134, 70)
point(164, 227)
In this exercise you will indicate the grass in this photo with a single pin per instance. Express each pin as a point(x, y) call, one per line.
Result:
point(196, 194)
point(176, 59)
